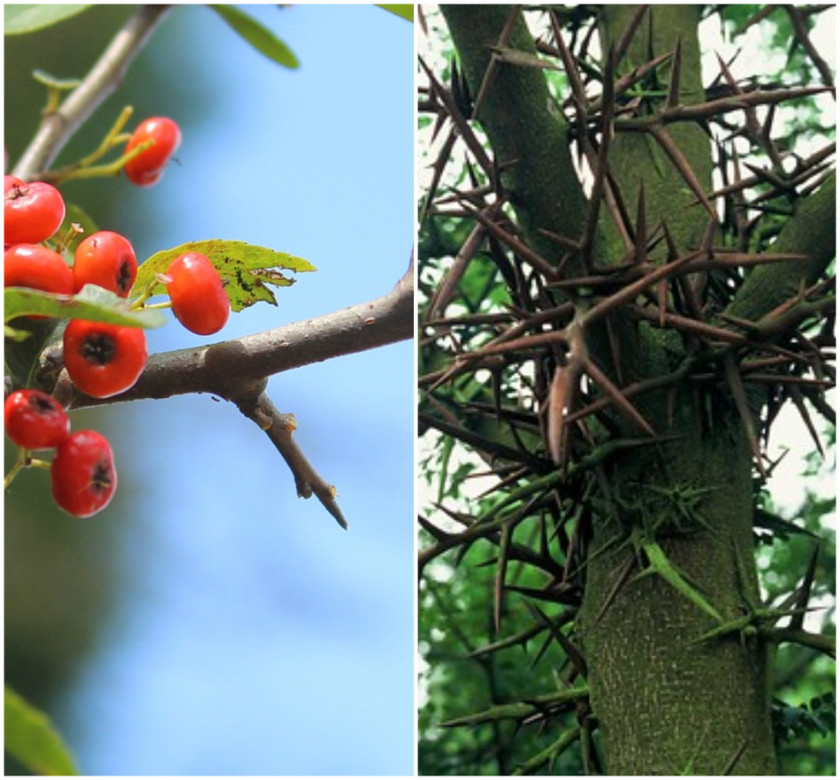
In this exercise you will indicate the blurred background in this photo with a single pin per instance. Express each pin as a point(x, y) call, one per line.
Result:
point(209, 621)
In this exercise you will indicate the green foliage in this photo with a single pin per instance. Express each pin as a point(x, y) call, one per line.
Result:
point(21, 19)
point(245, 269)
point(403, 11)
point(30, 738)
point(91, 303)
point(257, 35)
point(455, 629)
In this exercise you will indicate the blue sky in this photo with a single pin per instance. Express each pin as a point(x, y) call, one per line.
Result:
point(252, 635)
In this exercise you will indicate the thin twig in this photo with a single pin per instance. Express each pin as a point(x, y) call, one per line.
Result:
point(57, 128)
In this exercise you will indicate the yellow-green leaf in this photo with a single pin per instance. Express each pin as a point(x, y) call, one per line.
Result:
point(246, 270)
point(20, 19)
point(31, 738)
point(92, 303)
point(405, 11)
point(260, 37)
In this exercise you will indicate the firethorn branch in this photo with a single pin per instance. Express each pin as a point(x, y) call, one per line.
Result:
point(106, 75)
point(236, 370)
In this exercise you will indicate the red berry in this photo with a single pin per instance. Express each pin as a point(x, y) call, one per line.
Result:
point(198, 296)
point(35, 420)
point(37, 267)
point(31, 212)
point(103, 359)
point(10, 181)
point(83, 475)
point(145, 169)
point(107, 259)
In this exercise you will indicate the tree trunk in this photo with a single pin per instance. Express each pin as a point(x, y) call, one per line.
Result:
point(666, 702)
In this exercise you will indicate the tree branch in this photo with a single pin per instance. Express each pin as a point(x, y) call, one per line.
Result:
point(105, 76)
point(527, 132)
point(811, 231)
point(236, 368)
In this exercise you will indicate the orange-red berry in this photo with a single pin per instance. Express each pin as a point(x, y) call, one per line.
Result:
point(145, 169)
point(198, 296)
point(106, 259)
point(37, 267)
point(32, 212)
point(103, 359)
point(35, 420)
point(82, 473)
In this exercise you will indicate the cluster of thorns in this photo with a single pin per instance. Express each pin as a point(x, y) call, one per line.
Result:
point(787, 351)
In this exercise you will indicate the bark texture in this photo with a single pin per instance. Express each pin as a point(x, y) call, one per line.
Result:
point(665, 702)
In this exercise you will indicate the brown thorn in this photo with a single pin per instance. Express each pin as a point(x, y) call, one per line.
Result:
point(640, 243)
point(460, 122)
point(796, 396)
point(739, 395)
point(682, 165)
point(618, 398)
point(674, 85)
point(493, 66)
point(629, 32)
point(499, 585)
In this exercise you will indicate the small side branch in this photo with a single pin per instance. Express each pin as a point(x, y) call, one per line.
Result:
point(279, 428)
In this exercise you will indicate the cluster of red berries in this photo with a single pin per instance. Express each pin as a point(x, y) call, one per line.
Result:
point(101, 359)
point(82, 470)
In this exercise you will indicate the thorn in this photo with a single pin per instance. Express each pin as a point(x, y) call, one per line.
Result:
point(674, 86)
point(617, 396)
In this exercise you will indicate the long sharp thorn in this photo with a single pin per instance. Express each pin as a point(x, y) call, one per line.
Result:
point(796, 396)
point(662, 300)
point(739, 395)
point(803, 595)
point(682, 165)
point(493, 65)
point(504, 547)
point(624, 406)
point(674, 86)
point(630, 31)
point(560, 398)
point(641, 227)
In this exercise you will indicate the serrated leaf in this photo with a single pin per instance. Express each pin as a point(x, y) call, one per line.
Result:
point(405, 11)
point(21, 19)
point(92, 303)
point(246, 270)
point(260, 37)
point(32, 739)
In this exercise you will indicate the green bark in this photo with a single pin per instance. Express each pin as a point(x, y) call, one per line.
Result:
point(811, 231)
point(529, 136)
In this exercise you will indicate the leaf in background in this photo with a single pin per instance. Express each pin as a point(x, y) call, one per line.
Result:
point(31, 738)
point(260, 37)
point(92, 303)
point(245, 269)
point(75, 215)
point(405, 11)
point(20, 19)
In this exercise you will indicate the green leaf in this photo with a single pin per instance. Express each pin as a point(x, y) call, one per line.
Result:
point(245, 269)
point(21, 19)
point(32, 739)
point(92, 303)
point(260, 37)
point(405, 11)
